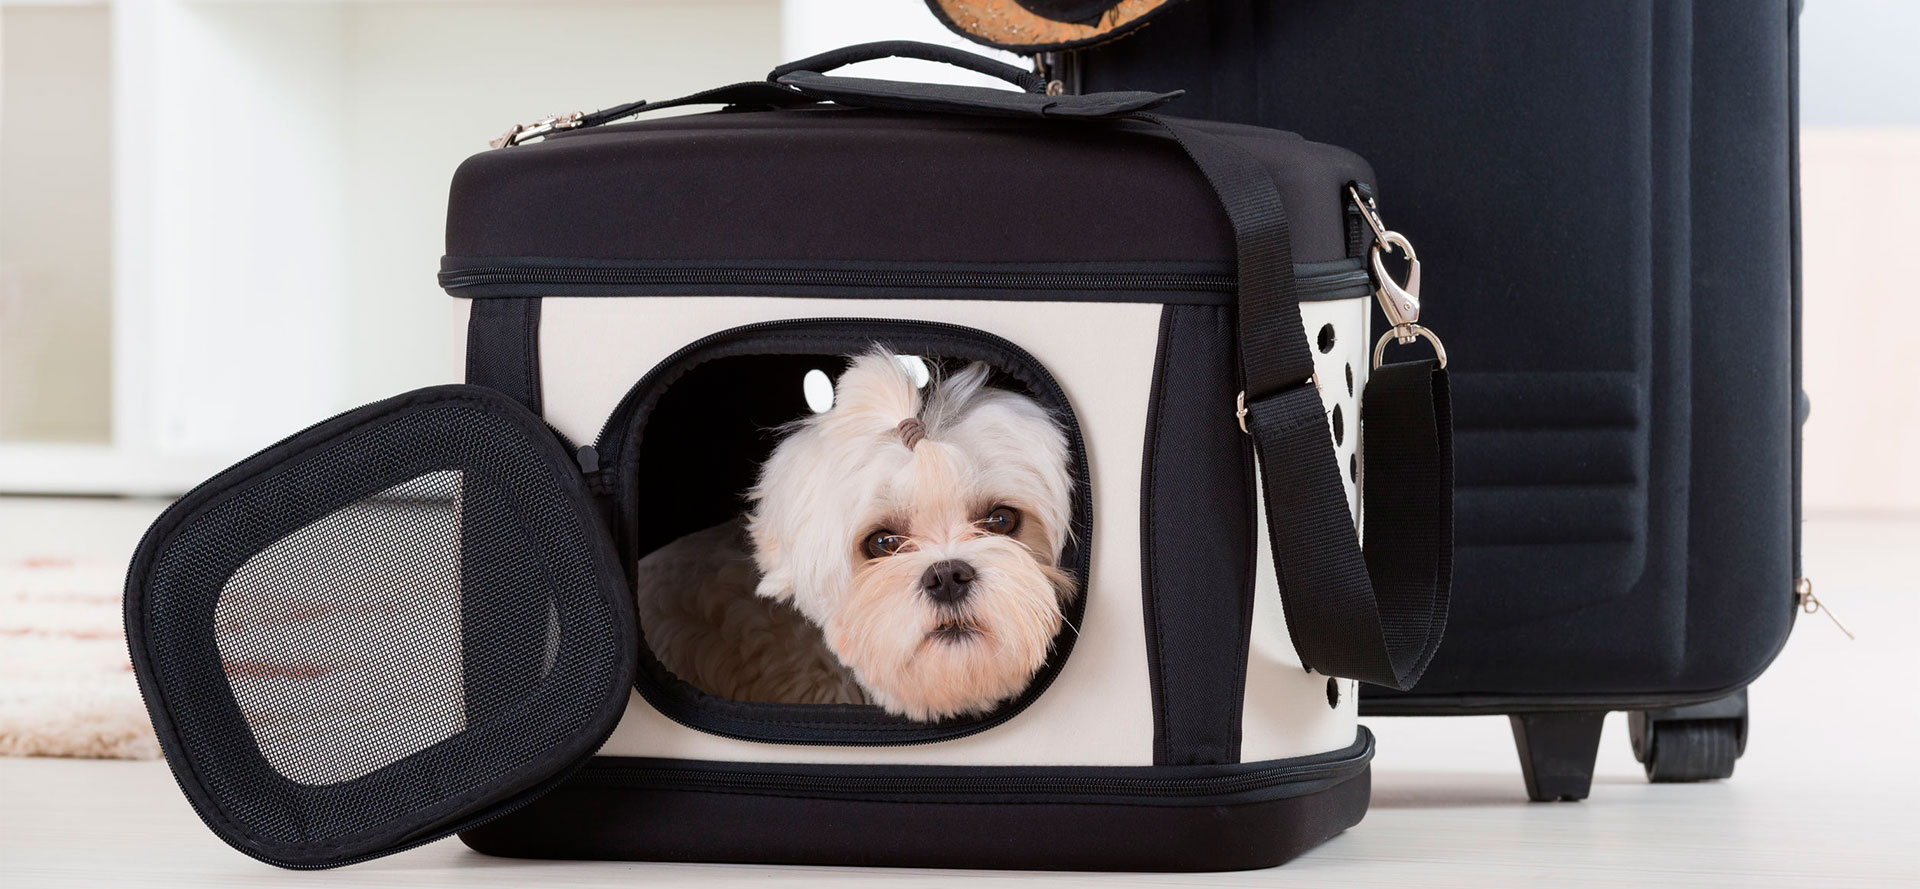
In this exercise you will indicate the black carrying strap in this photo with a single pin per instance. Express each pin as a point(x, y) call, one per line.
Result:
point(1375, 615)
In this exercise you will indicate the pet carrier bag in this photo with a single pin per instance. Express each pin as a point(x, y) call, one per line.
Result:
point(1629, 461)
point(418, 618)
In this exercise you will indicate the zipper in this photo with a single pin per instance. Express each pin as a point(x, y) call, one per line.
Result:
point(606, 455)
point(990, 280)
point(1315, 283)
point(651, 777)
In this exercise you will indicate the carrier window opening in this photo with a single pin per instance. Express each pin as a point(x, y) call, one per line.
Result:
point(717, 439)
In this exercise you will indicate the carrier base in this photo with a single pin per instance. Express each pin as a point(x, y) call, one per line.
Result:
point(1105, 819)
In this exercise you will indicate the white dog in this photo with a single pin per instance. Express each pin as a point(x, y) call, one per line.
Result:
point(904, 552)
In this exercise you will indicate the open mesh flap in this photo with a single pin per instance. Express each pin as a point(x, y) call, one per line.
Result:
point(391, 625)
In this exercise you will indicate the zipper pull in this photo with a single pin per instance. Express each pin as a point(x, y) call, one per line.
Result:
point(588, 458)
point(521, 132)
point(1809, 603)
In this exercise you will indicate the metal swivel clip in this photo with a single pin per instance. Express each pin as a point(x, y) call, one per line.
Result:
point(1399, 300)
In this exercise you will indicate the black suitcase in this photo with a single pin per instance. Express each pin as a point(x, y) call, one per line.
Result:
point(1611, 191)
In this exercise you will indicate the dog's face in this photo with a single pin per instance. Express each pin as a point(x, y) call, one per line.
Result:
point(922, 535)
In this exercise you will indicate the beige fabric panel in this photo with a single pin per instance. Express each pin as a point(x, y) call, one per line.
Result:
point(1098, 711)
point(593, 349)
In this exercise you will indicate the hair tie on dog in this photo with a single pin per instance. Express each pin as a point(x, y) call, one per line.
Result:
point(911, 431)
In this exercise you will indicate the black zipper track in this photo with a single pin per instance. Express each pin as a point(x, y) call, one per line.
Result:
point(989, 280)
point(610, 440)
point(1308, 286)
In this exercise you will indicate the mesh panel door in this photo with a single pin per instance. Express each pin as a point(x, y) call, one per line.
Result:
point(386, 627)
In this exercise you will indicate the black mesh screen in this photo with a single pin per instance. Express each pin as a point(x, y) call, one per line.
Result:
point(388, 622)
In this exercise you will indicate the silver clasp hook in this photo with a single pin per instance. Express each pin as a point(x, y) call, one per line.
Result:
point(522, 132)
point(1399, 301)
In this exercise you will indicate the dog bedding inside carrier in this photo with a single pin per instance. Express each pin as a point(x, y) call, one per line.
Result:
point(859, 532)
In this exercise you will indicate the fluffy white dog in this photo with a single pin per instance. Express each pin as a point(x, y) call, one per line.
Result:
point(904, 552)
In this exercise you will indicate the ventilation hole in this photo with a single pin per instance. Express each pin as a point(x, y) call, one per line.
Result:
point(1349, 378)
point(818, 389)
point(1333, 693)
point(1326, 338)
point(1339, 426)
point(916, 368)
point(1353, 467)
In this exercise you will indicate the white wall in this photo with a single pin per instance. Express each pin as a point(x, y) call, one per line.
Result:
point(441, 82)
point(1860, 200)
point(54, 235)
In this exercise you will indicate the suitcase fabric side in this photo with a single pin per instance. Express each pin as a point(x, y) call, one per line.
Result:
point(1629, 382)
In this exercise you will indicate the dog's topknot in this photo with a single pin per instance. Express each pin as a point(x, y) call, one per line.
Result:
point(911, 432)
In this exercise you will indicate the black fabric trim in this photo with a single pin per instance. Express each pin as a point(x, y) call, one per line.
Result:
point(503, 348)
point(1033, 818)
point(1197, 527)
point(469, 806)
point(621, 442)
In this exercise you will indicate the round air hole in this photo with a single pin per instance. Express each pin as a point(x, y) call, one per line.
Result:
point(1327, 338)
point(916, 368)
point(1333, 692)
point(1349, 378)
point(1353, 467)
point(1339, 426)
point(818, 389)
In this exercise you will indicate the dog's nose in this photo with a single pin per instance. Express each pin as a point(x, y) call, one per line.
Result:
point(948, 581)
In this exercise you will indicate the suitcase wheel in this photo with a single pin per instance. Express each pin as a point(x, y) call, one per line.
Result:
point(1697, 742)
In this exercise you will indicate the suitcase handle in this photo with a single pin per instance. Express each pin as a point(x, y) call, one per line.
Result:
point(912, 49)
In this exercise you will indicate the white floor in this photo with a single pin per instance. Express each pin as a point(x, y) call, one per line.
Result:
point(1824, 796)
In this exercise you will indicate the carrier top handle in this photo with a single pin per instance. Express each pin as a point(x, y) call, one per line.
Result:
point(805, 82)
point(912, 49)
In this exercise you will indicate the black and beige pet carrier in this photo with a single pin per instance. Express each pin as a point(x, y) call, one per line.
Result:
point(417, 618)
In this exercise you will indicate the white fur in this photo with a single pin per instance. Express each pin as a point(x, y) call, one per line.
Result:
point(837, 477)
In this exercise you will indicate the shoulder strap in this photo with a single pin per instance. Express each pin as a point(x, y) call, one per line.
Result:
point(1376, 615)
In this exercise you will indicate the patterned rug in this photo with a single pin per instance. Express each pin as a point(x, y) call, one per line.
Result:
point(66, 686)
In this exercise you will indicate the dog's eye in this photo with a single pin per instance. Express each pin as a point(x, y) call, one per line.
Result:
point(1002, 520)
point(884, 543)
